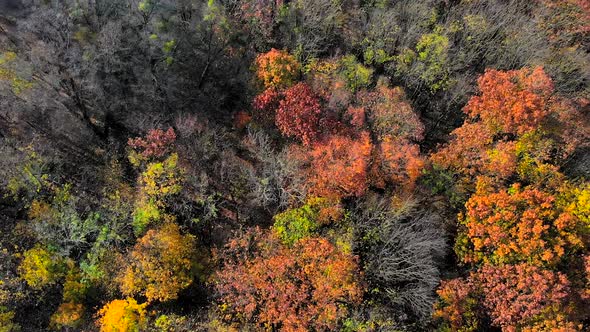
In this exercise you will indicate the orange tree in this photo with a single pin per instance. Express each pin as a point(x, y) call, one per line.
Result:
point(512, 107)
point(309, 286)
point(339, 165)
point(519, 225)
point(397, 130)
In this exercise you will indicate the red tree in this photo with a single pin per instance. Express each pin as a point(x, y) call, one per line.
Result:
point(298, 114)
point(519, 297)
point(156, 144)
point(516, 295)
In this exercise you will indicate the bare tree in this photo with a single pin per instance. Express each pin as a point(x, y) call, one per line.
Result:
point(405, 259)
point(276, 182)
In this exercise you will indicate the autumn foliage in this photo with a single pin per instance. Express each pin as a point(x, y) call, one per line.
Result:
point(511, 101)
point(156, 144)
point(511, 106)
point(306, 287)
point(160, 265)
point(40, 267)
point(122, 316)
point(524, 222)
point(517, 225)
point(390, 114)
point(277, 69)
point(516, 295)
point(340, 166)
point(457, 306)
point(304, 165)
point(298, 114)
point(568, 21)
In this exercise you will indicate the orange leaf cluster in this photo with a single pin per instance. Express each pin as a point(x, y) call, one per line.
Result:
point(340, 165)
point(512, 106)
point(122, 316)
point(397, 161)
point(517, 225)
point(513, 101)
point(302, 288)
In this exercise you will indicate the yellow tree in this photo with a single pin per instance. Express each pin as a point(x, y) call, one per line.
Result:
point(122, 316)
point(161, 264)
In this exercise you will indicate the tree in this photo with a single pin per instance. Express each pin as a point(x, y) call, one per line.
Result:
point(399, 162)
point(267, 102)
point(512, 107)
point(308, 286)
point(277, 182)
point(277, 69)
point(298, 223)
point(299, 114)
point(390, 114)
point(398, 128)
point(356, 75)
point(403, 250)
point(512, 102)
point(156, 144)
point(57, 223)
point(457, 306)
point(122, 316)
point(262, 17)
point(518, 296)
point(68, 315)
point(328, 81)
point(161, 264)
point(568, 21)
point(428, 64)
point(339, 166)
point(432, 59)
point(521, 224)
point(158, 183)
point(40, 267)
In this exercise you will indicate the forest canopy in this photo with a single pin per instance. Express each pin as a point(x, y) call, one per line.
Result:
point(301, 165)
